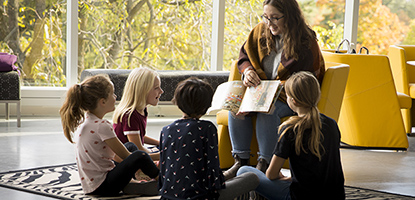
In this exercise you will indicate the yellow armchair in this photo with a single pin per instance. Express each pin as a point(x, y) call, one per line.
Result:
point(404, 77)
point(332, 90)
point(370, 115)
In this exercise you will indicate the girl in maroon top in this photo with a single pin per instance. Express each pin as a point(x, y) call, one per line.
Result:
point(142, 88)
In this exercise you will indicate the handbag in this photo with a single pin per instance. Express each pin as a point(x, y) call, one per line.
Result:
point(349, 49)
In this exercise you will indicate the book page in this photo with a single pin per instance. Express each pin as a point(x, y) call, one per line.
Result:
point(228, 96)
point(261, 97)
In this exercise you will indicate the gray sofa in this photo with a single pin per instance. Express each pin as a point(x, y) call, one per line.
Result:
point(169, 79)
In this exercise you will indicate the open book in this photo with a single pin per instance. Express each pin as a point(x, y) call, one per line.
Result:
point(235, 97)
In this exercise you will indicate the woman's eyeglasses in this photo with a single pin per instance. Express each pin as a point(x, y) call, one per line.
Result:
point(272, 20)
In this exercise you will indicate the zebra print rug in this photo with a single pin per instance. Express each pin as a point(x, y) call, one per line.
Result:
point(62, 182)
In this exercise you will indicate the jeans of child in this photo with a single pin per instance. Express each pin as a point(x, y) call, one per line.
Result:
point(270, 189)
point(123, 172)
point(240, 131)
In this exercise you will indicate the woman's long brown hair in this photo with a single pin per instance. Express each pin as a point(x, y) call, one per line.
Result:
point(297, 34)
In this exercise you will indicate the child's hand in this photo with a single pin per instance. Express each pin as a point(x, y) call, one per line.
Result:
point(284, 178)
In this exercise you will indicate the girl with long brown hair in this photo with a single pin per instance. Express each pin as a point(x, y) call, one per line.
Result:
point(97, 145)
point(311, 141)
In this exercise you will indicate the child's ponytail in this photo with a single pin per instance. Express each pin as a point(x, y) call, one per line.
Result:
point(304, 88)
point(316, 135)
point(81, 98)
point(71, 112)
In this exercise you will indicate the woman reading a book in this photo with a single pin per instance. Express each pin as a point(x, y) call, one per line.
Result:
point(277, 47)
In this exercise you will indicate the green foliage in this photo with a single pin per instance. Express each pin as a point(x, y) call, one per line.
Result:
point(240, 18)
point(410, 38)
point(329, 38)
point(159, 35)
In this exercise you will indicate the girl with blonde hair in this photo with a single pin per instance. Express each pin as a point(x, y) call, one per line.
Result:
point(97, 145)
point(142, 88)
point(311, 141)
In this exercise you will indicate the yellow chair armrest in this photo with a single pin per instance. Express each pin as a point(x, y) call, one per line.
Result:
point(405, 101)
point(222, 117)
point(412, 90)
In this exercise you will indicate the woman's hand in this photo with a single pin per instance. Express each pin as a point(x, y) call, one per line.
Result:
point(251, 78)
point(242, 114)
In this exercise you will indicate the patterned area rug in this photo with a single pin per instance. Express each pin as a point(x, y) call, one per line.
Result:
point(63, 182)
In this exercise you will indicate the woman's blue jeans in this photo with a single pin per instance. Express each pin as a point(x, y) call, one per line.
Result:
point(240, 131)
point(270, 189)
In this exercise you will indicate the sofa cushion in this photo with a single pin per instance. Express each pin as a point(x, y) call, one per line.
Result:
point(169, 79)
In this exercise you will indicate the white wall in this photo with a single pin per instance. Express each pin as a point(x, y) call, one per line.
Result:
point(37, 101)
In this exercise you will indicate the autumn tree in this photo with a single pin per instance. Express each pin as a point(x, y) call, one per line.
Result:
point(378, 27)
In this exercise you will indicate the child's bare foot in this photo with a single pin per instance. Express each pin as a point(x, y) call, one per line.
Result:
point(140, 176)
point(141, 188)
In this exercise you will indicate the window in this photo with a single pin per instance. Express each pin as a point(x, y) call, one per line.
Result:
point(240, 17)
point(385, 23)
point(35, 32)
point(326, 18)
point(162, 35)
point(172, 35)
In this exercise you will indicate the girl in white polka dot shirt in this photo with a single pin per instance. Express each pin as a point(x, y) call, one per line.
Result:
point(97, 145)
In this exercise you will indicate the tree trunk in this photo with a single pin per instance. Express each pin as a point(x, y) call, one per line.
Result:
point(83, 18)
point(12, 37)
point(35, 47)
point(3, 23)
point(149, 29)
point(116, 45)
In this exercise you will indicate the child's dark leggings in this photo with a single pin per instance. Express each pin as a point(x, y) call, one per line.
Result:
point(123, 172)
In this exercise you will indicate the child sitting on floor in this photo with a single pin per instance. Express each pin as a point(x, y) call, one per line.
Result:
point(311, 141)
point(189, 159)
point(142, 88)
point(97, 145)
